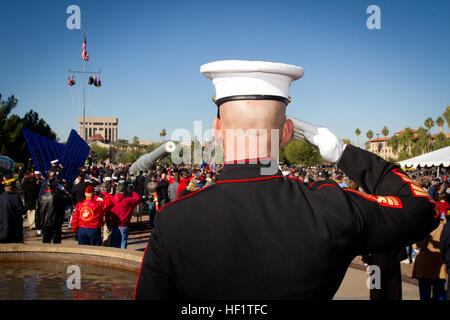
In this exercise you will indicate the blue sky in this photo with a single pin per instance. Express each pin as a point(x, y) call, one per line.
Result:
point(150, 53)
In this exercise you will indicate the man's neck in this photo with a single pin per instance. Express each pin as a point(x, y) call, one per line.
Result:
point(250, 145)
point(247, 155)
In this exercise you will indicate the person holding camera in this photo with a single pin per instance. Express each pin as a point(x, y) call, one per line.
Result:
point(124, 204)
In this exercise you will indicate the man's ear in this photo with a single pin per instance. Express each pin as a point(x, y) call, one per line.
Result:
point(286, 132)
point(217, 133)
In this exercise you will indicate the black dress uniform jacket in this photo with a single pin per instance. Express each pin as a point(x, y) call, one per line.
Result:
point(31, 188)
point(11, 222)
point(253, 236)
point(50, 209)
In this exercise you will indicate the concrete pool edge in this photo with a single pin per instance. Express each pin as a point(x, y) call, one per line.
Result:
point(105, 256)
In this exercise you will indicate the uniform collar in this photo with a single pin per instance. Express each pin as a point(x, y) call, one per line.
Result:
point(249, 169)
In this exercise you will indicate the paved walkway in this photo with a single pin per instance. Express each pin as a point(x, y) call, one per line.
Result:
point(137, 238)
point(353, 286)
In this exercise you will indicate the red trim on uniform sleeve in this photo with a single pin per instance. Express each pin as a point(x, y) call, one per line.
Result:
point(139, 274)
point(389, 201)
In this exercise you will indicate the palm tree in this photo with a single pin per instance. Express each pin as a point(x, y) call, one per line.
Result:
point(406, 140)
point(385, 131)
point(440, 123)
point(135, 143)
point(429, 123)
point(369, 134)
point(446, 115)
point(163, 133)
point(357, 132)
point(394, 143)
point(422, 144)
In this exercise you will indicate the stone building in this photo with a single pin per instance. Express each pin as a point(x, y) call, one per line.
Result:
point(380, 146)
point(95, 126)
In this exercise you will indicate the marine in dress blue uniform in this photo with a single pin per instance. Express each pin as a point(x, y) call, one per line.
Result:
point(264, 236)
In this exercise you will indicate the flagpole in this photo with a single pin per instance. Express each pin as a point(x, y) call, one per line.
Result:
point(84, 72)
point(84, 85)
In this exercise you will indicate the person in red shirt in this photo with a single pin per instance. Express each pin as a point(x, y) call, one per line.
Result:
point(110, 218)
point(184, 181)
point(123, 206)
point(443, 205)
point(170, 176)
point(88, 218)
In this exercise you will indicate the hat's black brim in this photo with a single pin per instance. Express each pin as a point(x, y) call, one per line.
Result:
point(218, 102)
point(251, 97)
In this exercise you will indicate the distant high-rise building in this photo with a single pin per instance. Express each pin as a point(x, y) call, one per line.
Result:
point(99, 128)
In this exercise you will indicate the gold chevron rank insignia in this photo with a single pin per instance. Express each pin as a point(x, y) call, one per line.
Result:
point(416, 190)
point(385, 201)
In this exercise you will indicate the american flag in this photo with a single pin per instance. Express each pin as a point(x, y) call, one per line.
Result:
point(84, 54)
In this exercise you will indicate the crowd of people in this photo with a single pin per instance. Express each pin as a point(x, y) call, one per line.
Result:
point(100, 203)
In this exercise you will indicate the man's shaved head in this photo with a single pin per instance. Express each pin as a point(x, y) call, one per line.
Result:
point(253, 114)
point(251, 119)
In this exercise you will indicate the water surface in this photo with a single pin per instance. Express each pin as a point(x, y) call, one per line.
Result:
point(43, 280)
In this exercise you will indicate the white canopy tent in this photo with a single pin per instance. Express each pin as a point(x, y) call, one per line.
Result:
point(440, 157)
